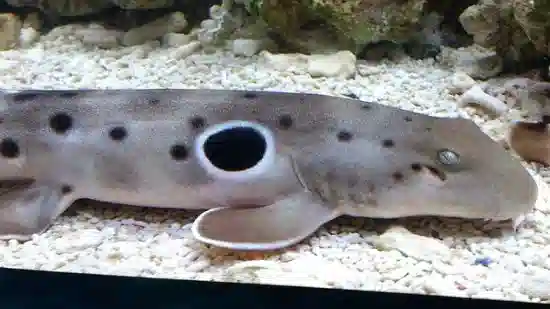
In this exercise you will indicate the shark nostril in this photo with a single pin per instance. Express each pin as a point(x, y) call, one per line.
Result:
point(417, 167)
point(398, 176)
point(66, 189)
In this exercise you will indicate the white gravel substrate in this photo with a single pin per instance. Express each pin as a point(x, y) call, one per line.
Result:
point(349, 253)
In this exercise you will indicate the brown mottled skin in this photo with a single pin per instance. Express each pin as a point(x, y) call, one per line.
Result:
point(335, 156)
point(531, 141)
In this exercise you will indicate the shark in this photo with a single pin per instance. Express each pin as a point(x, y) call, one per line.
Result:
point(266, 168)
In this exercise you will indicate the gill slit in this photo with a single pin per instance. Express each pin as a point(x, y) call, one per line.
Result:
point(297, 173)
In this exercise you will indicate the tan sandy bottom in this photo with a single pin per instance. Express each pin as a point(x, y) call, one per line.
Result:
point(436, 257)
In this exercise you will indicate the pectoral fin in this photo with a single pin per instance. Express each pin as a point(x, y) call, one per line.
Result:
point(271, 227)
point(27, 208)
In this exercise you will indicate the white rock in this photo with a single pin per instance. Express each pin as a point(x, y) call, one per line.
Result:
point(174, 22)
point(33, 21)
point(476, 61)
point(476, 95)
point(284, 62)
point(80, 240)
point(245, 47)
point(185, 50)
point(460, 83)
point(537, 286)
point(436, 284)
point(175, 39)
point(340, 64)
point(411, 245)
point(99, 36)
point(368, 70)
point(10, 28)
point(28, 36)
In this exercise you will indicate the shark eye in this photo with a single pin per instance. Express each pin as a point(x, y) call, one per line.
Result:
point(448, 157)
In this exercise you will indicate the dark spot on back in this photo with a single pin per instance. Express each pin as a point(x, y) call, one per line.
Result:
point(428, 129)
point(118, 133)
point(366, 106)
point(388, 143)
point(24, 96)
point(371, 188)
point(153, 101)
point(397, 176)
point(197, 122)
point(66, 189)
point(250, 95)
point(408, 118)
point(61, 122)
point(68, 94)
point(285, 121)
point(179, 152)
point(351, 95)
point(9, 148)
point(344, 136)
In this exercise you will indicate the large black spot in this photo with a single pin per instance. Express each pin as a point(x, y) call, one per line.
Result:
point(9, 148)
point(68, 94)
point(24, 96)
point(250, 95)
point(61, 122)
point(235, 149)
